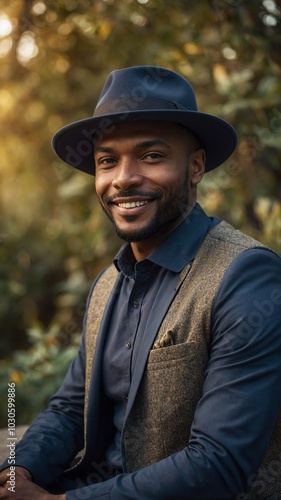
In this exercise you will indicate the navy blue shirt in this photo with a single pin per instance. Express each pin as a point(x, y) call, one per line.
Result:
point(139, 291)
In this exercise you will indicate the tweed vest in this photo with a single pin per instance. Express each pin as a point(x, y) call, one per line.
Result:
point(162, 414)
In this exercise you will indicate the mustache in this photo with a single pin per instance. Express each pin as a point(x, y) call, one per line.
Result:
point(155, 194)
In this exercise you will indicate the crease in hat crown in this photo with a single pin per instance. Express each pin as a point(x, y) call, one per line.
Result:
point(144, 93)
point(144, 86)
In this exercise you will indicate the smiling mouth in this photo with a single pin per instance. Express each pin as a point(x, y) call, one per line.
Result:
point(132, 204)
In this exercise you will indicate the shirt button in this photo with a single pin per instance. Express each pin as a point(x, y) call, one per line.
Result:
point(135, 304)
point(128, 345)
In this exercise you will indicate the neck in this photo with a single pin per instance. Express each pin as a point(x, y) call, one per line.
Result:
point(142, 249)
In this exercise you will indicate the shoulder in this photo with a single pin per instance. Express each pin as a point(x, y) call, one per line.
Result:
point(223, 239)
point(250, 289)
point(107, 275)
point(257, 264)
point(227, 234)
point(254, 272)
point(105, 278)
point(249, 297)
point(102, 284)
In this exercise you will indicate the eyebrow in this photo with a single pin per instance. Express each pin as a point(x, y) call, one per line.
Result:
point(141, 145)
point(103, 149)
point(152, 142)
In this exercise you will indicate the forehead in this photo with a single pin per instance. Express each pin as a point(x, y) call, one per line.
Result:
point(168, 131)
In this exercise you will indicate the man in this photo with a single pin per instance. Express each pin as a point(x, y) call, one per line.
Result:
point(175, 390)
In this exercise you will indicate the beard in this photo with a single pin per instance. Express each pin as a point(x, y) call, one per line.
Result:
point(172, 209)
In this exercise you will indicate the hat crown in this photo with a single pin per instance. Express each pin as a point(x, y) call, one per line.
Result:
point(146, 87)
point(144, 93)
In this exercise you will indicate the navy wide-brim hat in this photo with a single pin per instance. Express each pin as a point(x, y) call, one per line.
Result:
point(144, 93)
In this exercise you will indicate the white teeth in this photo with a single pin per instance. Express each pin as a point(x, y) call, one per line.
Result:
point(132, 204)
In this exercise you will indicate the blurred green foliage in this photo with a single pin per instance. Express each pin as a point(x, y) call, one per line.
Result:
point(36, 372)
point(54, 58)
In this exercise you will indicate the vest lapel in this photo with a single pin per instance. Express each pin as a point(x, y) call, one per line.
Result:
point(97, 326)
point(165, 297)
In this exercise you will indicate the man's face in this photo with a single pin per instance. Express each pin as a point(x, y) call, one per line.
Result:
point(142, 178)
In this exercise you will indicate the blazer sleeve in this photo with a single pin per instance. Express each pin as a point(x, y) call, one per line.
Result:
point(241, 397)
point(56, 436)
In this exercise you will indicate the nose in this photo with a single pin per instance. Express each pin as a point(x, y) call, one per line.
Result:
point(127, 175)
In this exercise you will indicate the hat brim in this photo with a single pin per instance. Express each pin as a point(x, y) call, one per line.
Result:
point(74, 143)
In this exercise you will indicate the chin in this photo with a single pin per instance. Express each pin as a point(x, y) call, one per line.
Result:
point(134, 235)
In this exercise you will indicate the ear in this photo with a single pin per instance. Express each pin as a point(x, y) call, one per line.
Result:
point(197, 162)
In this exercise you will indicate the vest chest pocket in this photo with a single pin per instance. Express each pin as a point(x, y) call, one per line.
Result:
point(167, 398)
point(175, 376)
point(161, 356)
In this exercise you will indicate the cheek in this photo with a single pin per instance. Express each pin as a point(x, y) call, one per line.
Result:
point(101, 186)
point(174, 183)
point(169, 177)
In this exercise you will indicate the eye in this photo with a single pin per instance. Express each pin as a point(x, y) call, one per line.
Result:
point(106, 161)
point(152, 156)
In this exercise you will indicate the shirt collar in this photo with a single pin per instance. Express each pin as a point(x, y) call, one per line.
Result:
point(179, 248)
